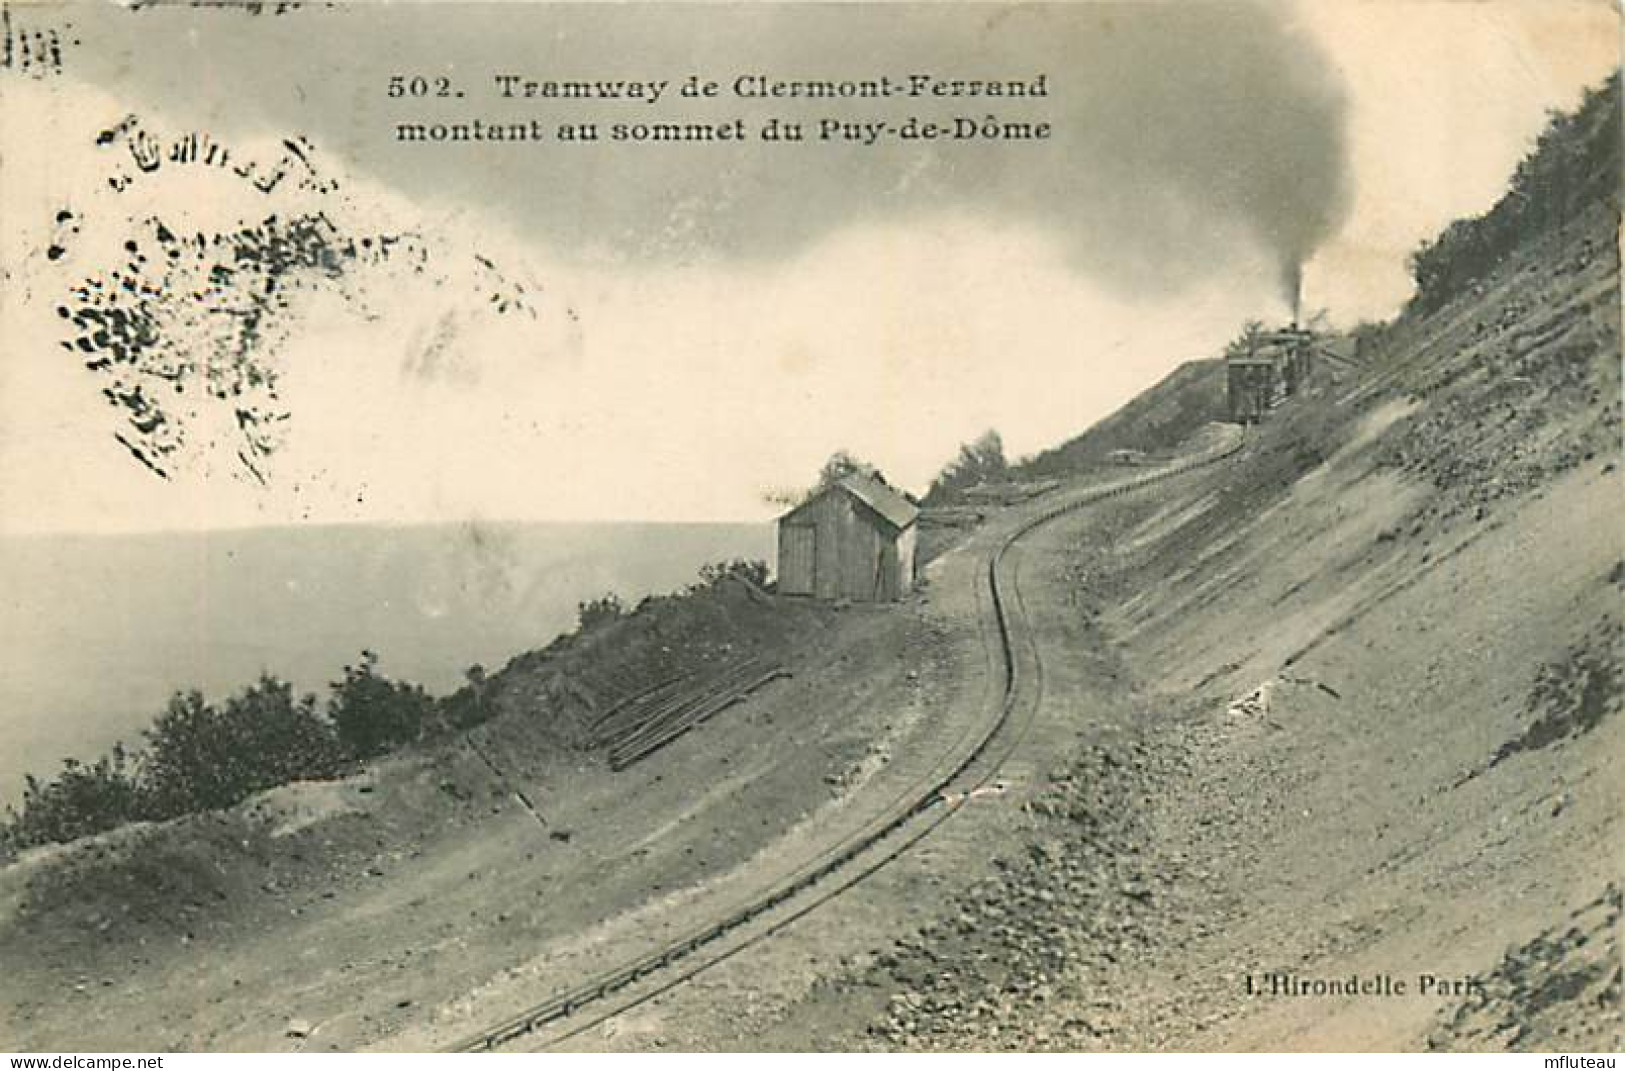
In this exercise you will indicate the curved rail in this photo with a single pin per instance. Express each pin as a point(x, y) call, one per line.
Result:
point(1005, 598)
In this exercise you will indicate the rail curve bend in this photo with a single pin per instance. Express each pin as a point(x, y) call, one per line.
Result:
point(912, 818)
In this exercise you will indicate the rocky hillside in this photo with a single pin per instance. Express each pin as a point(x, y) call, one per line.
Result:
point(1375, 671)
point(1155, 421)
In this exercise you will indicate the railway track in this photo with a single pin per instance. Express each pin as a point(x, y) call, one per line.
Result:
point(910, 819)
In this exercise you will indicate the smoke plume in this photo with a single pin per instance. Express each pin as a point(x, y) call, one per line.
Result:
point(1201, 128)
point(1185, 135)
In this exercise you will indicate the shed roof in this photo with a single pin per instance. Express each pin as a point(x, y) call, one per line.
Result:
point(883, 500)
point(881, 497)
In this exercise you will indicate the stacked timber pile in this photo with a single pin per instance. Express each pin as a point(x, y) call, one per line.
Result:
point(647, 721)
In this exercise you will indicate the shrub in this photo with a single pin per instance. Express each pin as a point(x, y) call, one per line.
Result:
point(595, 613)
point(200, 757)
point(714, 573)
point(81, 801)
point(373, 714)
point(1575, 163)
point(840, 465)
point(287, 738)
point(976, 463)
point(469, 705)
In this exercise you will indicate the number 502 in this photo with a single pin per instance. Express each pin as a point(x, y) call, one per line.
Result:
point(401, 85)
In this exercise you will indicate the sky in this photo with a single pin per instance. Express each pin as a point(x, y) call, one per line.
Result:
point(687, 331)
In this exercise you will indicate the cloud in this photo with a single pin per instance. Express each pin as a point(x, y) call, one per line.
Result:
point(1179, 130)
point(634, 391)
point(708, 327)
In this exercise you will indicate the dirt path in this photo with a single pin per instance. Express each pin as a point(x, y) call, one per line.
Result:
point(412, 902)
point(1244, 783)
point(464, 906)
point(1231, 806)
point(818, 978)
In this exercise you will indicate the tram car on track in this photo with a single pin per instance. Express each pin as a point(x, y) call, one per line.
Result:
point(1272, 367)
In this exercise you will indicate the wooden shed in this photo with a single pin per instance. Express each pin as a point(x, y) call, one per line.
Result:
point(853, 540)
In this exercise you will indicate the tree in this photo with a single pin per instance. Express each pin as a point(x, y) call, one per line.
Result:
point(1575, 164)
point(471, 704)
point(374, 714)
point(80, 801)
point(191, 764)
point(280, 738)
point(201, 757)
point(977, 462)
point(596, 613)
point(1246, 343)
point(840, 465)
